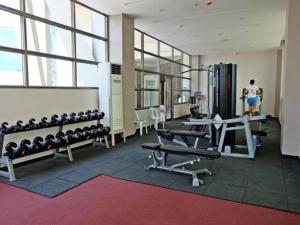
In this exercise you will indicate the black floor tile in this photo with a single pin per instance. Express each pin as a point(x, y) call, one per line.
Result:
point(266, 197)
point(159, 178)
point(225, 191)
point(132, 174)
point(52, 188)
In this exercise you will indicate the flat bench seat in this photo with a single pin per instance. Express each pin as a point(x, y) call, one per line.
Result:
point(187, 133)
point(180, 150)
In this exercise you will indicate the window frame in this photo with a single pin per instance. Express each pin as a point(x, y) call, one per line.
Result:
point(25, 52)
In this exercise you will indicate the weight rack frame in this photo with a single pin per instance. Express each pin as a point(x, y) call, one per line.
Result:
point(7, 162)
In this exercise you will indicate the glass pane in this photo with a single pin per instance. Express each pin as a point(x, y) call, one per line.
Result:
point(165, 51)
point(187, 74)
point(165, 67)
point(138, 59)
point(177, 97)
point(54, 10)
point(49, 72)
point(186, 59)
point(151, 98)
point(138, 99)
point(185, 84)
point(177, 56)
point(150, 63)
point(186, 96)
point(150, 45)
point(90, 48)
point(11, 3)
point(177, 69)
point(48, 39)
point(90, 21)
point(137, 39)
point(88, 75)
point(11, 66)
point(10, 30)
point(138, 80)
point(151, 81)
point(177, 84)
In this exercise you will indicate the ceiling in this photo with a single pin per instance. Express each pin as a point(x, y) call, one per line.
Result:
point(192, 26)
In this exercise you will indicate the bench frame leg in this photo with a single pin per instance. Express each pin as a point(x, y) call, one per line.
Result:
point(161, 164)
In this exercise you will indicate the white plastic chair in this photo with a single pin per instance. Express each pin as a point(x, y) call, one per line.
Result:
point(141, 122)
point(154, 117)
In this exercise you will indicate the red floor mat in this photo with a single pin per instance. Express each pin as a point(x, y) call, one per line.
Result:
point(108, 201)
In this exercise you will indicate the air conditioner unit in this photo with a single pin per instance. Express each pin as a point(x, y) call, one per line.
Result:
point(111, 97)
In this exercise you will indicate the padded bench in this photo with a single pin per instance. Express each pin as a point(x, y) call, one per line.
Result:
point(160, 152)
point(183, 134)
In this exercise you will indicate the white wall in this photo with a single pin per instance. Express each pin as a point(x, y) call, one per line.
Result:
point(25, 103)
point(260, 66)
point(290, 144)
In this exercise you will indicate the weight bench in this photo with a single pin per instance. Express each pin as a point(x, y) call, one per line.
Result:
point(159, 153)
point(183, 134)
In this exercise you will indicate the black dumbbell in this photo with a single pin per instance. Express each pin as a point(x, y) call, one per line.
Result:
point(94, 131)
point(55, 120)
point(97, 114)
point(82, 117)
point(32, 124)
point(6, 128)
point(105, 130)
point(44, 122)
point(89, 115)
point(55, 143)
point(85, 133)
point(14, 151)
point(20, 126)
point(29, 147)
point(42, 145)
point(73, 118)
point(64, 118)
point(63, 139)
point(88, 132)
point(75, 137)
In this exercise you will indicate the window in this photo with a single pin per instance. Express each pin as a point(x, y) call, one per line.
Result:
point(88, 75)
point(10, 30)
point(165, 51)
point(90, 21)
point(150, 63)
point(11, 67)
point(88, 48)
point(157, 64)
point(137, 39)
point(186, 59)
point(60, 45)
point(150, 45)
point(48, 39)
point(49, 72)
point(50, 10)
point(11, 3)
point(138, 59)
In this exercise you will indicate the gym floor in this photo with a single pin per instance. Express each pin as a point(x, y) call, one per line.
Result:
point(270, 180)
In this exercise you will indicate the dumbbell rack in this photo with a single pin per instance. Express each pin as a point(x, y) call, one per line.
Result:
point(6, 161)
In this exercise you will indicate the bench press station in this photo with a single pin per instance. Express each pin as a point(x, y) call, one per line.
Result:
point(159, 154)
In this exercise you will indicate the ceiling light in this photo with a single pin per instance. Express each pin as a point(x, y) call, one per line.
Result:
point(209, 2)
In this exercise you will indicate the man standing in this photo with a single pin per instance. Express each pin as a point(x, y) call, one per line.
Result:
point(252, 93)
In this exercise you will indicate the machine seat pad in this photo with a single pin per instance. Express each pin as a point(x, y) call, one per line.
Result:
point(180, 150)
point(164, 133)
point(259, 133)
point(151, 146)
point(187, 133)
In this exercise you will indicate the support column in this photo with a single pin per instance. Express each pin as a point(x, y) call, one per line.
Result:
point(290, 143)
point(121, 46)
